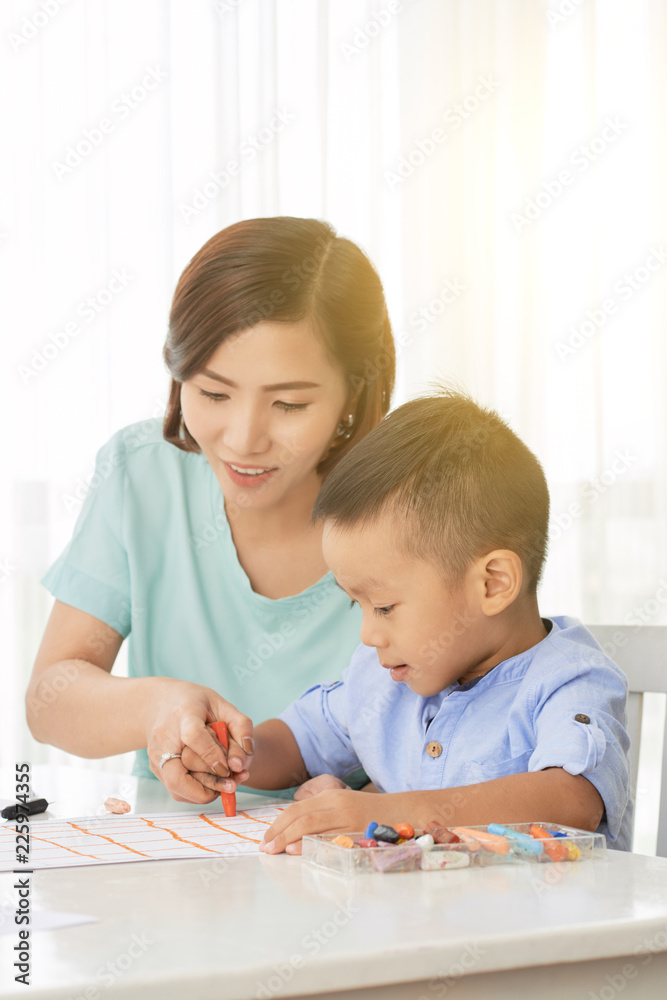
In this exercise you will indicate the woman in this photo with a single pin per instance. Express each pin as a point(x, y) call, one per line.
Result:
point(195, 540)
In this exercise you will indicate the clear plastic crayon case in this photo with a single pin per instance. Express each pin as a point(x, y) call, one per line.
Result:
point(566, 845)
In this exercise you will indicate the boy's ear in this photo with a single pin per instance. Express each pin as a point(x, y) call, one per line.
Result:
point(502, 576)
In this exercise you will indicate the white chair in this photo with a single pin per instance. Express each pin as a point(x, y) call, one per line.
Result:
point(641, 653)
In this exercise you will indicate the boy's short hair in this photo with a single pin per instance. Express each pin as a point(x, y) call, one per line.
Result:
point(455, 479)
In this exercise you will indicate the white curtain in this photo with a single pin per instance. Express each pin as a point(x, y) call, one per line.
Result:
point(501, 161)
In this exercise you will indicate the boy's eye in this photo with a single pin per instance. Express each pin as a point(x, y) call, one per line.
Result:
point(376, 611)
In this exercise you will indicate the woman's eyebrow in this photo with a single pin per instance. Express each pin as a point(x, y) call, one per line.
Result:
point(266, 388)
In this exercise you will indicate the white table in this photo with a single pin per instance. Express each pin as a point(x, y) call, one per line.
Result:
point(273, 926)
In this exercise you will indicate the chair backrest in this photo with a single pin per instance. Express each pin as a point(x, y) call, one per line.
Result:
point(641, 653)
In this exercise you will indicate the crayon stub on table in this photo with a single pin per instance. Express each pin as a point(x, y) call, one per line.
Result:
point(406, 858)
point(117, 806)
point(366, 842)
point(434, 858)
point(426, 840)
point(489, 841)
point(370, 829)
point(405, 831)
point(553, 846)
point(387, 834)
point(343, 841)
point(440, 833)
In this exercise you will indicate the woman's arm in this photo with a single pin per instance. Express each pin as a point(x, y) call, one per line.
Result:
point(74, 703)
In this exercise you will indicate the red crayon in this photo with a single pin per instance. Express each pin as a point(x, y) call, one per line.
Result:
point(228, 798)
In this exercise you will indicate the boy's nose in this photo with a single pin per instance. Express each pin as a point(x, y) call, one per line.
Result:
point(371, 634)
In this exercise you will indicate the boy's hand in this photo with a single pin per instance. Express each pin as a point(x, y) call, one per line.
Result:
point(237, 761)
point(338, 810)
point(314, 786)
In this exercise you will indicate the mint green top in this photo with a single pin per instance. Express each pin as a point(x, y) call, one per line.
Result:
point(152, 555)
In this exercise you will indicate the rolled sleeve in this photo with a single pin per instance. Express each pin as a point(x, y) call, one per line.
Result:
point(318, 720)
point(92, 573)
point(581, 728)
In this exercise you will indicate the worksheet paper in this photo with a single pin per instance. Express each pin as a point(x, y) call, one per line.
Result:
point(95, 840)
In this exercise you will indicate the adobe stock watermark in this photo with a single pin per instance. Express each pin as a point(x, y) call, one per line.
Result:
point(624, 289)
point(211, 532)
point(311, 943)
point(364, 34)
point(591, 493)
point(49, 689)
point(107, 975)
point(453, 117)
point(222, 7)
point(7, 570)
point(468, 960)
point(140, 433)
point(216, 869)
point(562, 11)
point(87, 310)
point(616, 983)
point(581, 159)
point(434, 648)
point(32, 24)
point(121, 109)
point(640, 615)
point(420, 319)
point(271, 642)
point(206, 193)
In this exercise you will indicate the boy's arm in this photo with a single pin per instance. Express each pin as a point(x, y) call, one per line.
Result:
point(277, 761)
point(549, 796)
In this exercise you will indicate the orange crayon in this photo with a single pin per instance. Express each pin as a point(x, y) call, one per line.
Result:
point(490, 841)
point(228, 798)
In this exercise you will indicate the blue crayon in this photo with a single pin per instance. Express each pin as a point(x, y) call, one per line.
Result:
point(521, 842)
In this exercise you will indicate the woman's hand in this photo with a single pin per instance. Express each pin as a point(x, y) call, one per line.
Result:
point(179, 722)
point(338, 810)
point(238, 772)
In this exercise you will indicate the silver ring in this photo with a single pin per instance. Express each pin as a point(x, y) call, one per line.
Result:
point(167, 756)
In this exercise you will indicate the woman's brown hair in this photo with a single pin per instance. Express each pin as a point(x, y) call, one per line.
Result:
point(284, 269)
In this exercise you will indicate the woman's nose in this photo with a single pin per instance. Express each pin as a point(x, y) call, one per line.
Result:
point(246, 432)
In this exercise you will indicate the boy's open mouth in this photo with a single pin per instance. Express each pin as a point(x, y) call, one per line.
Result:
point(399, 672)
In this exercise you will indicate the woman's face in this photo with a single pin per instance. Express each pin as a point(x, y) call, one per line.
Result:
point(264, 412)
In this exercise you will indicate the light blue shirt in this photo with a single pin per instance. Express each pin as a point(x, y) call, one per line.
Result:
point(152, 555)
point(519, 717)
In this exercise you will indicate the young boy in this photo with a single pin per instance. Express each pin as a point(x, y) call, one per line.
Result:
point(462, 704)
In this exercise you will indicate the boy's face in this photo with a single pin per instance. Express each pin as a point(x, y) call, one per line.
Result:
point(429, 636)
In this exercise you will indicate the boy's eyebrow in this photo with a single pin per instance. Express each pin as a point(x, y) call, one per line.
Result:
point(266, 388)
point(368, 583)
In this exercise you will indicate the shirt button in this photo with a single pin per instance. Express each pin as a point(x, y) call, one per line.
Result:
point(582, 718)
point(433, 749)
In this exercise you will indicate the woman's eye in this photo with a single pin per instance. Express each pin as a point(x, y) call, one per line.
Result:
point(292, 406)
point(215, 396)
point(383, 611)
